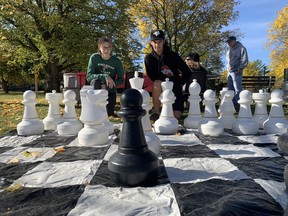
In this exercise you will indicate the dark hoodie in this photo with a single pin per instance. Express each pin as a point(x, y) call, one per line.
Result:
point(169, 65)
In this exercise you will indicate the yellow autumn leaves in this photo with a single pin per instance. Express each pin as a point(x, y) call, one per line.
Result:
point(11, 111)
point(278, 43)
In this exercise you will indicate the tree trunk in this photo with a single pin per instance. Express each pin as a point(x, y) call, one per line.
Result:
point(5, 86)
point(52, 71)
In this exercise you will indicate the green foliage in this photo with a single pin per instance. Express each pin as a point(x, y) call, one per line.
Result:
point(51, 36)
point(190, 25)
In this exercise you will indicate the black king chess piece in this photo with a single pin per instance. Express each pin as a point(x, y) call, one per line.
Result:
point(133, 164)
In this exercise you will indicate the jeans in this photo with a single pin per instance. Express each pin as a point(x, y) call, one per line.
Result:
point(111, 103)
point(234, 83)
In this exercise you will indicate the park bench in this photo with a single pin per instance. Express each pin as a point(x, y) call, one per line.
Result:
point(256, 83)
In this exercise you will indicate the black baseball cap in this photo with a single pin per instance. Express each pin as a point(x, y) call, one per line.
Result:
point(157, 35)
point(194, 57)
point(231, 38)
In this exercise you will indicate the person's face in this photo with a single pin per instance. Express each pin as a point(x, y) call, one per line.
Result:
point(190, 62)
point(231, 43)
point(106, 50)
point(158, 46)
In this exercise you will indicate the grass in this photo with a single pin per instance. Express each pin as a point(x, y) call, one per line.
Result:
point(11, 110)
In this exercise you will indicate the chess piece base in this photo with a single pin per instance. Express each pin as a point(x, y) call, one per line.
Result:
point(168, 126)
point(134, 169)
point(245, 127)
point(50, 123)
point(69, 128)
point(153, 141)
point(282, 143)
point(30, 127)
point(192, 121)
point(210, 127)
point(93, 136)
point(275, 126)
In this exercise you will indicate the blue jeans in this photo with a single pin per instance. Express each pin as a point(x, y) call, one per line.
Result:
point(234, 83)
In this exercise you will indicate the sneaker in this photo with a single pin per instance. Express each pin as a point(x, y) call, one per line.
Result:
point(154, 116)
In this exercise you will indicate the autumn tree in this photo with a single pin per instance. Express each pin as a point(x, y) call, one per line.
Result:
point(54, 35)
point(190, 25)
point(255, 68)
point(278, 43)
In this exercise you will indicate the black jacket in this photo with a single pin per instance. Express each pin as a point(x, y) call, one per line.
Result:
point(168, 65)
point(200, 75)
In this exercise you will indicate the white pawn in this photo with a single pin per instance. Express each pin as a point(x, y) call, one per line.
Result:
point(71, 124)
point(210, 124)
point(227, 109)
point(244, 124)
point(53, 117)
point(194, 115)
point(106, 122)
point(30, 124)
point(167, 123)
point(276, 123)
point(260, 114)
point(93, 133)
point(151, 138)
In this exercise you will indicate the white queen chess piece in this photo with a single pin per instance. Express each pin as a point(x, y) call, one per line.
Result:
point(93, 133)
point(71, 124)
point(210, 124)
point(276, 122)
point(151, 138)
point(244, 124)
point(136, 82)
point(260, 114)
point(30, 124)
point(53, 117)
point(167, 123)
point(194, 114)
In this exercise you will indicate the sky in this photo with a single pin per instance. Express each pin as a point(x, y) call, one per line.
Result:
point(255, 17)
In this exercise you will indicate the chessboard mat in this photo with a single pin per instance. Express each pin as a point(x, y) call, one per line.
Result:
point(49, 174)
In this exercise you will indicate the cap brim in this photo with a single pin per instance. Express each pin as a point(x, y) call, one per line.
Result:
point(154, 39)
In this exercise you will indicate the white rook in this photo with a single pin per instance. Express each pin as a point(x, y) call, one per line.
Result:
point(53, 117)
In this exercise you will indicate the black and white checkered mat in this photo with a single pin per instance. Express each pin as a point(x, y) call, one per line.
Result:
point(199, 175)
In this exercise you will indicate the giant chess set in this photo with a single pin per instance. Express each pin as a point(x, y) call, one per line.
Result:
point(213, 164)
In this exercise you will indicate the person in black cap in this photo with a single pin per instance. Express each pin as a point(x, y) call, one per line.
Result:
point(237, 60)
point(163, 63)
point(198, 72)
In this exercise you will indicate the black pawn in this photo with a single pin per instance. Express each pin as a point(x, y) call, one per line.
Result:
point(133, 164)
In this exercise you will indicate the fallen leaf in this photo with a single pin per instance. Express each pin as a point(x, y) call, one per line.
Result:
point(59, 149)
point(14, 187)
point(14, 161)
point(31, 154)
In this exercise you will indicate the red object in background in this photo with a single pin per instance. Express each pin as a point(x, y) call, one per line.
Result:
point(81, 78)
point(148, 83)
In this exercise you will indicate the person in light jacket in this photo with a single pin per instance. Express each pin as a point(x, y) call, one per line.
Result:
point(237, 60)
